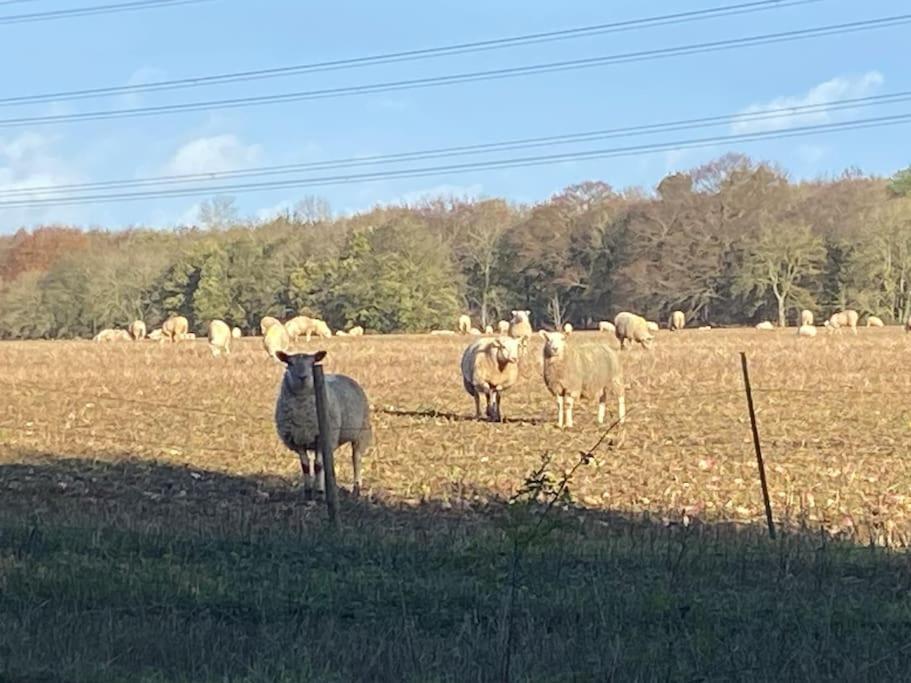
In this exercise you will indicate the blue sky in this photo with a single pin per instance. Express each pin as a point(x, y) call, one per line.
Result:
point(233, 35)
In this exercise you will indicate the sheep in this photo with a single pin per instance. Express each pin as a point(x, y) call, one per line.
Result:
point(705, 328)
point(846, 318)
point(806, 317)
point(111, 335)
point(305, 326)
point(236, 333)
point(189, 336)
point(873, 321)
point(474, 332)
point(630, 327)
point(520, 328)
point(137, 330)
point(356, 331)
point(652, 326)
point(490, 367)
point(174, 328)
point(579, 371)
point(488, 329)
point(341, 333)
point(464, 324)
point(156, 335)
point(677, 321)
point(765, 325)
point(219, 337)
point(347, 410)
point(503, 327)
point(267, 322)
point(442, 333)
point(567, 329)
point(806, 331)
point(607, 326)
point(276, 340)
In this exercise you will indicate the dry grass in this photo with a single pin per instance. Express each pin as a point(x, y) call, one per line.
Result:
point(151, 527)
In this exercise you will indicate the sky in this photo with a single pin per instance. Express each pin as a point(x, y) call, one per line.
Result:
point(224, 36)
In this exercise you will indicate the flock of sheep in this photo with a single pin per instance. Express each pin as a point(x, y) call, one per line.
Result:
point(837, 322)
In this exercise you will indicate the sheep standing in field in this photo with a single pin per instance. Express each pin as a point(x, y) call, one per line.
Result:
point(236, 333)
point(503, 327)
point(607, 326)
point(219, 337)
point(490, 367)
point(137, 330)
point(464, 324)
point(488, 329)
point(276, 340)
point(303, 326)
point(874, 321)
point(765, 326)
point(573, 372)
point(806, 317)
point(267, 322)
point(520, 328)
point(806, 331)
point(356, 331)
point(846, 318)
point(111, 335)
point(630, 328)
point(567, 329)
point(347, 409)
point(677, 321)
point(175, 328)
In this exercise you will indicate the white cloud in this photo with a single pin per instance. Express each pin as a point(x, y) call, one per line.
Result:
point(142, 76)
point(212, 154)
point(829, 91)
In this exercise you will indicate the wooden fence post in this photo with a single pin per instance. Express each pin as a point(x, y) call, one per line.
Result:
point(322, 418)
point(757, 445)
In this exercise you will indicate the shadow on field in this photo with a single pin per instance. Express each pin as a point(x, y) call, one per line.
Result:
point(454, 417)
point(136, 570)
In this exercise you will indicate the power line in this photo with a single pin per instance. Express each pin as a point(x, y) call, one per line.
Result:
point(520, 162)
point(480, 148)
point(494, 74)
point(93, 10)
point(410, 55)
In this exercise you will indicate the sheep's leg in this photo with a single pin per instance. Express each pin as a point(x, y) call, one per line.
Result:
point(569, 411)
point(306, 458)
point(477, 405)
point(490, 406)
point(499, 399)
point(560, 411)
point(602, 408)
point(320, 473)
point(621, 408)
point(357, 450)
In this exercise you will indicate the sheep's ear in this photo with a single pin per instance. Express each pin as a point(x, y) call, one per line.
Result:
point(283, 357)
point(318, 356)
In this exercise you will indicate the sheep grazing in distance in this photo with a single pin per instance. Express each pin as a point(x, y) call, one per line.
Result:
point(806, 317)
point(488, 329)
point(219, 337)
point(137, 330)
point(520, 328)
point(111, 335)
point(503, 327)
point(356, 331)
point(341, 333)
point(347, 410)
point(806, 331)
point(607, 326)
point(464, 324)
point(474, 332)
point(677, 321)
point(705, 328)
point(442, 333)
point(267, 322)
point(188, 336)
point(652, 326)
point(846, 318)
point(490, 367)
point(303, 326)
point(573, 372)
point(236, 333)
point(874, 321)
point(765, 325)
point(276, 340)
point(630, 327)
point(567, 329)
point(156, 335)
point(175, 328)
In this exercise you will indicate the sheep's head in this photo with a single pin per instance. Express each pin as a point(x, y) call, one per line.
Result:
point(299, 368)
point(554, 343)
point(521, 316)
point(508, 350)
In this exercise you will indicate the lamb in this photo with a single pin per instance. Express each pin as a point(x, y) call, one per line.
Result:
point(356, 331)
point(111, 335)
point(156, 335)
point(341, 333)
point(503, 327)
point(652, 326)
point(607, 326)
point(347, 409)
point(806, 317)
point(806, 331)
point(677, 321)
point(464, 324)
point(137, 330)
point(174, 328)
point(219, 337)
point(490, 367)
point(236, 333)
point(765, 325)
point(572, 372)
point(873, 321)
point(276, 340)
point(567, 329)
point(846, 318)
point(630, 327)
point(267, 322)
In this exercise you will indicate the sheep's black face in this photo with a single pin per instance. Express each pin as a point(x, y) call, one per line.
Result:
point(299, 368)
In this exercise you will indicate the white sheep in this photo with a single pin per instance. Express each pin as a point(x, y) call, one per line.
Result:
point(236, 333)
point(630, 327)
point(567, 329)
point(846, 318)
point(607, 326)
point(705, 328)
point(520, 328)
point(806, 317)
point(488, 329)
point(112, 335)
point(765, 326)
point(574, 371)
point(652, 326)
point(874, 321)
point(189, 336)
point(347, 409)
point(474, 332)
point(464, 324)
point(442, 333)
point(503, 327)
point(156, 335)
point(175, 328)
point(219, 337)
point(304, 326)
point(677, 321)
point(356, 331)
point(276, 340)
point(267, 322)
point(137, 330)
point(806, 331)
point(490, 367)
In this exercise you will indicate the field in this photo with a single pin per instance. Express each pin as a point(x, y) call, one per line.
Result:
point(151, 525)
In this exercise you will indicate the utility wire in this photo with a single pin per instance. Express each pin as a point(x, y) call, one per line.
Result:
point(90, 11)
point(519, 162)
point(467, 150)
point(410, 55)
point(493, 74)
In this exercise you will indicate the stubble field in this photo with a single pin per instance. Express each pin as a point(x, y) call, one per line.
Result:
point(122, 459)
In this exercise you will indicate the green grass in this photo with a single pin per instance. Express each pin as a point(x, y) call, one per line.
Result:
point(189, 589)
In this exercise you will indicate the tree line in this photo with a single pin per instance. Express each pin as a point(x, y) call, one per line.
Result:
point(730, 242)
